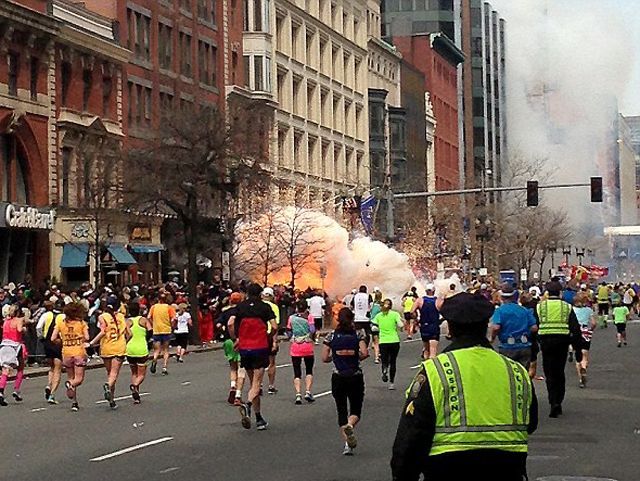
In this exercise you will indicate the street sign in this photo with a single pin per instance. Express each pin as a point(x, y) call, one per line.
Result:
point(523, 274)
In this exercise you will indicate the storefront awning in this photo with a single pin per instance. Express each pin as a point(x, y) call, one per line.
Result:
point(146, 248)
point(74, 255)
point(121, 255)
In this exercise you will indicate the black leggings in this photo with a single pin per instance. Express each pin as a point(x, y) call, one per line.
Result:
point(348, 392)
point(297, 366)
point(388, 355)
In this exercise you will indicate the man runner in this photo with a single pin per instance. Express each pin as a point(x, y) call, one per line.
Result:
point(250, 327)
point(161, 316)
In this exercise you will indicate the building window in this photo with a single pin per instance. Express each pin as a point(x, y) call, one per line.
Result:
point(33, 81)
point(66, 174)
point(207, 10)
point(258, 73)
point(185, 54)
point(147, 105)
point(139, 35)
point(207, 61)
point(130, 94)
point(107, 88)
point(256, 15)
point(166, 101)
point(13, 66)
point(87, 84)
point(247, 71)
point(165, 46)
point(185, 5)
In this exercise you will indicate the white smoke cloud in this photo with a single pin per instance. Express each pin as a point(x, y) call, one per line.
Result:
point(569, 63)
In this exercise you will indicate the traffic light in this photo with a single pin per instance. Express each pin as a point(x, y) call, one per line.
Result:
point(596, 189)
point(532, 193)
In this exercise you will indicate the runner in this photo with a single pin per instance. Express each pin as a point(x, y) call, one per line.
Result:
point(74, 333)
point(268, 297)
point(429, 319)
point(300, 330)
point(161, 316)
point(317, 306)
point(361, 306)
point(250, 326)
point(112, 337)
point(587, 320)
point(407, 308)
point(621, 315)
point(376, 308)
point(52, 351)
point(388, 323)
point(236, 373)
point(13, 352)
point(183, 324)
point(346, 347)
point(137, 349)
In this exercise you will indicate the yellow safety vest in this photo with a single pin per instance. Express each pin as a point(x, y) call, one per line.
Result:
point(554, 317)
point(482, 401)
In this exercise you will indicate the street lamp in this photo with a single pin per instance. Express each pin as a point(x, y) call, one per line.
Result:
point(591, 254)
point(483, 233)
point(566, 252)
point(580, 254)
point(552, 249)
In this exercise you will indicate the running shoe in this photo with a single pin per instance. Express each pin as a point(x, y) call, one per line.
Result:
point(135, 394)
point(272, 390)
point(392, 387)
point(113, 405)
point(625, 343)
point(52, 400)
point(352, 441)
point(262, 425)
point(17, 397)
point(2, 400)
point(385, 377)
point(107, 391)
point(298, 399)
point(237, 402)
point(180, 360)
point(309, 397)
point(619, 344)
point(47, 393)
point(71, 391)
point(231, 397)
point(165, 372)
point(75, 407)
point(154, 365)
point(245, 414)
point(347, 451)
point(570, 356)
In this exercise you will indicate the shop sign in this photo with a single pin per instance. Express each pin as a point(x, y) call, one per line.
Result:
point(25, 217)
point(141, 233)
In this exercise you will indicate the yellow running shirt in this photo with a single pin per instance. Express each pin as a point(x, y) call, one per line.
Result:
point(113, 343)
point(73, 337)
point(161, 316)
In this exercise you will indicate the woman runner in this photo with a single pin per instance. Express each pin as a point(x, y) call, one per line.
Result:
point(388, 323)
point(376, 308)
point(346, 347)
point(587, 320)
point(137, 349)
point(13, 352)
point(74, 333)
point(183, 324)
point(112, 337)
point(300, 330)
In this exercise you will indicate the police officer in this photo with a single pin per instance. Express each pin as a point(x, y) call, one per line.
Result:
point(558, 328)
point(469, 411)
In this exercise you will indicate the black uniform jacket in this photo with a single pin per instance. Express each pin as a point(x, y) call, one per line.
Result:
point(415, 435)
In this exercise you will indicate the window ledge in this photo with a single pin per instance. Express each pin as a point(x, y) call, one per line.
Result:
point(207, 23)
point(168, 73)
point(146, 64)
point(186, 13)
point(209, 88)
point(186, 80)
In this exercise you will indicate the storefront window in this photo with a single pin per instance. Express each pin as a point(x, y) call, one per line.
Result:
point(13, 185)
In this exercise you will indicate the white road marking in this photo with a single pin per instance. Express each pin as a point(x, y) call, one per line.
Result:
point(415, 367)
point(322, 394)
point(37, 410)
point(131, 448)
point(283, 365)
point(121, 398)
point(412, 340)
point(169, 470)
point(186, 383)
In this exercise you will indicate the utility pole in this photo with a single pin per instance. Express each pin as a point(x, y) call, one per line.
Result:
point(390, 216)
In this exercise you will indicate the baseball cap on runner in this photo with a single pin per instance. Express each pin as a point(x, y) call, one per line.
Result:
point(267, 291)
point(430, 287)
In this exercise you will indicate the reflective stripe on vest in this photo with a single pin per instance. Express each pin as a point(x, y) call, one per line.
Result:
point(554, 317)
point(481, 399)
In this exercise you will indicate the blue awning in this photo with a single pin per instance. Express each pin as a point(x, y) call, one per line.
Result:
point(146, 248)
point(121, 255)
point(74, 255)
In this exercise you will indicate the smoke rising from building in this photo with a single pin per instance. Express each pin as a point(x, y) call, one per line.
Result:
point(569, 63)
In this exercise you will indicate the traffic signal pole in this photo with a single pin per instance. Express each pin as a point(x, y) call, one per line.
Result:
point(411, 195)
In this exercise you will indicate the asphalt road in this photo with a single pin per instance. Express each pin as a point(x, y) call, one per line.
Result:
point(198, 436)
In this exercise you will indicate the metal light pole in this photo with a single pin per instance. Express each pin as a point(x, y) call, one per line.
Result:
point(566, 251)
point(580, 254)
point(552, 249)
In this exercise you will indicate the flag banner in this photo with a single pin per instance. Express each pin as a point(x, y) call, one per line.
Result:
point(367, 208)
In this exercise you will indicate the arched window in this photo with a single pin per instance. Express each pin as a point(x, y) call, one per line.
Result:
point(13, 175)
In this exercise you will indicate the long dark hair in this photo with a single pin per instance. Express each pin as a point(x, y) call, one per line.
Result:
point(345, 320)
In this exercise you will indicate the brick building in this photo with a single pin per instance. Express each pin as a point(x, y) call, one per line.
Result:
point(437, 57)
point(27, 36)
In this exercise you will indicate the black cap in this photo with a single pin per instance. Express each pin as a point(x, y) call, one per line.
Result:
point(466, 308)
point(553, 287)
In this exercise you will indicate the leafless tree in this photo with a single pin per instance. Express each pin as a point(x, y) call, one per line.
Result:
point(193, 164)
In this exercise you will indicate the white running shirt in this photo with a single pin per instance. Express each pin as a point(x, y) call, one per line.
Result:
point(361, 306)
point(316, 303)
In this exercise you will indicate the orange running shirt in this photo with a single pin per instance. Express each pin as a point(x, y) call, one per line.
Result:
point(161, 316)
point(72, 335)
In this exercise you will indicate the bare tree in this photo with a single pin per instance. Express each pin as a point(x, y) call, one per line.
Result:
point(194, 164)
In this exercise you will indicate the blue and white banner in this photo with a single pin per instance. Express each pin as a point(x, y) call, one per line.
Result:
point(367, 208)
